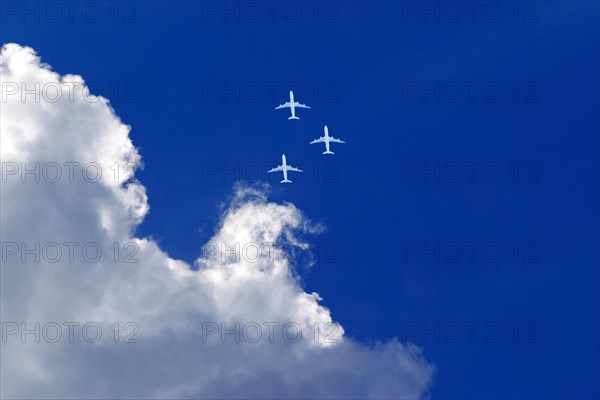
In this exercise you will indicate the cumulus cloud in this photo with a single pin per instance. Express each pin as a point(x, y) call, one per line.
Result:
point(239, 325)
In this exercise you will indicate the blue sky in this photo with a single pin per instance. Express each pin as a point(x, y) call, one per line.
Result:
point(475, 135)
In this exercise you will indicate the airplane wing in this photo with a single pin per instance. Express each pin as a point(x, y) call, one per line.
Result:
point(284, 105)
point(319, 140)
point(278, 168)
point(293, 169)
point(302, 105)
point(334, 140)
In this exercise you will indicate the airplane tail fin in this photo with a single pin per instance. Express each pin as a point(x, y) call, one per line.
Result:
point(293, 117)
point(286, 181)
point(328, 152)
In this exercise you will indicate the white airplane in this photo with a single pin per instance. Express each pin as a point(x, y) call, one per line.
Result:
point(285, 168)
point(292, 106)
point(327, 139)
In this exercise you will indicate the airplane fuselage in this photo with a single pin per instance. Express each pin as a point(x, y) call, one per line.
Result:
point(285, 168)
point(292, 106)
point(327, 140)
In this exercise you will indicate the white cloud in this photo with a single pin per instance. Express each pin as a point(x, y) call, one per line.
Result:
point(173, 305)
